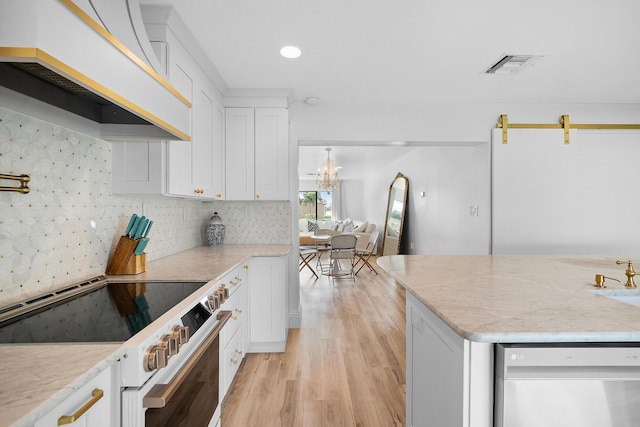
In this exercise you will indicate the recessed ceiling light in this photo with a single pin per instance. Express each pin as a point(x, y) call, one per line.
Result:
point(290, 52)
point(312, 100)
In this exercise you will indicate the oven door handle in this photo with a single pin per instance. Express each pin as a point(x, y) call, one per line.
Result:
point(160, 394)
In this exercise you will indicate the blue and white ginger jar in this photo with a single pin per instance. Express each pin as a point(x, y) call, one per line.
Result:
point(215, 230)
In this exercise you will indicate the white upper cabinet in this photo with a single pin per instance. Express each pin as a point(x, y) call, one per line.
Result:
point(257, 154)
point(196, 169)
point(236, 153)
point(239, 155)
point(272, 154)
point(193, 168)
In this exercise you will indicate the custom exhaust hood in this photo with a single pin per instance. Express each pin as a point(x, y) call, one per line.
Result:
point(91, 58)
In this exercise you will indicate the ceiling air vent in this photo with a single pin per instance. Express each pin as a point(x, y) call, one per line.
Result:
point(512, 64)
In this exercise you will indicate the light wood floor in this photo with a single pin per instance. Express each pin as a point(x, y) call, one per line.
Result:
point(344, 367)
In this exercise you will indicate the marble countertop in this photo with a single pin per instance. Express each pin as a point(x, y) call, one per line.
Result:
point(34, 378)
point(515, 299)
point(202, 263)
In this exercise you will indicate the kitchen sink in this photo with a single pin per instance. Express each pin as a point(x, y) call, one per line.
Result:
point(629, 296)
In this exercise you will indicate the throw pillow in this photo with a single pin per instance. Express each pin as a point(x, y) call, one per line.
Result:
point(360, 228)
point(325, 225)
point(370, 228)
point(337, 226)
point(313, 226)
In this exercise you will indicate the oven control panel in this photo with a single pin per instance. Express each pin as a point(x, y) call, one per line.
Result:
point(168, 345)
point(216, 299)
point(157, 345)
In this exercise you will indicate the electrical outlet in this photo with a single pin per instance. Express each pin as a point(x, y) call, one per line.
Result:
point(473, 210)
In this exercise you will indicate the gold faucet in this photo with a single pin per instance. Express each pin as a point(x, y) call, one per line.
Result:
point(600, 280)
point(629, 272)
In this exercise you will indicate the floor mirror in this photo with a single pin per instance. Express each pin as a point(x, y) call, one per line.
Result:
point(396, 207)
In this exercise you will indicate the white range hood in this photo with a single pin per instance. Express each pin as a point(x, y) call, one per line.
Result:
point(92, 58)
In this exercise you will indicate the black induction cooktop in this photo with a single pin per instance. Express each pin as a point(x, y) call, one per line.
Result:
point(94, 313)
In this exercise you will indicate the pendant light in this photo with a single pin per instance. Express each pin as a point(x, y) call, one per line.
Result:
point(327, 177)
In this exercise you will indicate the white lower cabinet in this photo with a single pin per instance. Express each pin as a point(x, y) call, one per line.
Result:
point(267, 304)
point(96, 404)
point(233, 337)
point(449, 379)
point(232, 358)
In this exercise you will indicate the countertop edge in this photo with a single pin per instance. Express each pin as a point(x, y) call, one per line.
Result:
point(489, 327)
point(36, 413)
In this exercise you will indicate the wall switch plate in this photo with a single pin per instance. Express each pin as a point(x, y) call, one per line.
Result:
point(473, 210)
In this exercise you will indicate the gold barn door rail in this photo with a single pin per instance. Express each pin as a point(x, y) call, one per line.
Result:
point(565, 124)
point(22, 179)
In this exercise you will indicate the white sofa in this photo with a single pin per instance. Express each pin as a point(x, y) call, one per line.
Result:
point(362, 229)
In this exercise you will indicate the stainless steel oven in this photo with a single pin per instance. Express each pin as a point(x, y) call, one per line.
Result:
point(186, 393)
point(169, 374)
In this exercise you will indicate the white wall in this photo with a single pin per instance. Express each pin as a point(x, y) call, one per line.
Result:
point(554, 198)
point(453, 177)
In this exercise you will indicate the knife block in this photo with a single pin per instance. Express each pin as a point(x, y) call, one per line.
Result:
point(137, 264)
point(123, 260)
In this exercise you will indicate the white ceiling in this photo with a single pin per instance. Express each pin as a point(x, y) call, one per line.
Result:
point(422, 51)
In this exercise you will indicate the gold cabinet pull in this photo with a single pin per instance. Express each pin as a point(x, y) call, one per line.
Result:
point(68, 419)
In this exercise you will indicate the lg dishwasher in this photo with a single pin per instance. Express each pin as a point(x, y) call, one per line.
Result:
point(585, 385)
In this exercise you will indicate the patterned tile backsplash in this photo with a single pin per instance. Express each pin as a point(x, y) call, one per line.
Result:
point(64, 230)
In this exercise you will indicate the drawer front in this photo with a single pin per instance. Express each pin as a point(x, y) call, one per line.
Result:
point(233, 355)
point(89, 406)
point(238, 313)
point(235, 278)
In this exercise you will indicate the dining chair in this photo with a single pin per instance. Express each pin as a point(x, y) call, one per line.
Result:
point(342, 257)
point(308, 253)
point(323, 237)
point(365, 254)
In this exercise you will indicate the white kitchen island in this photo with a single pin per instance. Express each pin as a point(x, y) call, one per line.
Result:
point(460, 307)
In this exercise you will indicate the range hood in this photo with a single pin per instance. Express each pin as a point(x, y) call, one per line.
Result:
point(91, 58)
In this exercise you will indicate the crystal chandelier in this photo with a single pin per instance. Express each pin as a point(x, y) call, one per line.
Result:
point(327, 178)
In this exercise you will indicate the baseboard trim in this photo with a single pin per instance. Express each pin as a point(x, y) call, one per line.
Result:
point(294, 319)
